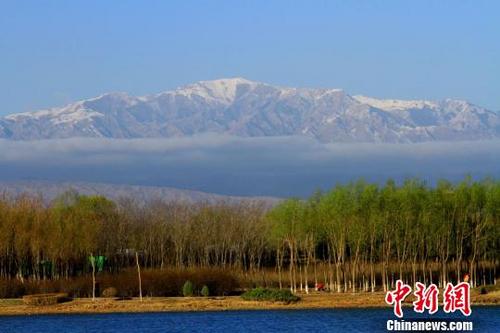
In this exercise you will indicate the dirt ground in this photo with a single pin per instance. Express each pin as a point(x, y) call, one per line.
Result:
point(166, 304)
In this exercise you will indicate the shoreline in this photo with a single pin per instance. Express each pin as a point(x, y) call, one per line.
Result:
point(15, 307)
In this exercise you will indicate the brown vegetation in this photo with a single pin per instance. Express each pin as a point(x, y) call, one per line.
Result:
point(358, 237)
point(44, 299)
point(313, 300)
point(160, 283)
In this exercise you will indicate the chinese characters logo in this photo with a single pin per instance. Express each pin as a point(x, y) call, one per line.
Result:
point(455, 297)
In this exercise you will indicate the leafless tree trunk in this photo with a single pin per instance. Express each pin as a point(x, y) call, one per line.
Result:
point(139, 274)
point(92, 262)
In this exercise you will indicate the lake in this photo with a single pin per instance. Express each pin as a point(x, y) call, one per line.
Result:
point(485, 319)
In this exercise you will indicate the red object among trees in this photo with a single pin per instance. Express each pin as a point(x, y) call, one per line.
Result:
point(320, 286)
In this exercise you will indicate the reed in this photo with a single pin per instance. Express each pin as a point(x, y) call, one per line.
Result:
point(45, 299)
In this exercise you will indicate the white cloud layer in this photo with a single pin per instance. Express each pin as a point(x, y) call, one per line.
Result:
point(278, 166)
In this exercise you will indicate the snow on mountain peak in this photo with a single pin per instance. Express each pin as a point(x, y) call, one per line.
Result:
point(237, 106)
point(71, 113)
point(221, 90)
point(395, 104)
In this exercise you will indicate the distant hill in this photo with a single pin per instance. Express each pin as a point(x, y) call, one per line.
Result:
point(252, 109)
point(142, 194)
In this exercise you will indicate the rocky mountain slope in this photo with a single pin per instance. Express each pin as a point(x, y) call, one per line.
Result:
point(250, 109)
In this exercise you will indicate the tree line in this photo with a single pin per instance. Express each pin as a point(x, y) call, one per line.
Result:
point(355, 237)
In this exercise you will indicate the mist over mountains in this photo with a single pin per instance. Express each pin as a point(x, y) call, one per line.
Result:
point(236, 166)
point(243, 108)
point(237, 137)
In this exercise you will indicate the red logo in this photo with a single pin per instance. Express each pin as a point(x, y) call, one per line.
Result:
point(397, 296)
point(457, 298)
point(427, 298)
point(454, 298)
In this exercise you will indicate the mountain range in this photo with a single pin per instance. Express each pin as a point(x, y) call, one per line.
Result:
point(246, 108)
point(142, 194)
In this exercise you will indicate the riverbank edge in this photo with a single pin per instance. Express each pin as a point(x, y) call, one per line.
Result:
point(15, 307)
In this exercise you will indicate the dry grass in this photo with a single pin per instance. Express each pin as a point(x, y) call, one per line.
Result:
point(171, 304)
point(45, 299)
point(10, 302)
point(491, 298)
point(158, 304)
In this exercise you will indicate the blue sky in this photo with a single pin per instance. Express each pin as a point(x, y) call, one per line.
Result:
point(55, 52)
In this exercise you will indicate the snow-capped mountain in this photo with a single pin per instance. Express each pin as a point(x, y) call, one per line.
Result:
point(245, 108)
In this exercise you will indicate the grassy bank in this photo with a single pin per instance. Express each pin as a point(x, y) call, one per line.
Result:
point(173, 304)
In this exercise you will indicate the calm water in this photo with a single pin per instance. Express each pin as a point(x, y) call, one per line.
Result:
point(485, 319)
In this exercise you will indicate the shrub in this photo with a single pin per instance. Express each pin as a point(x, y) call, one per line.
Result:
point(11, 288)
point(204, 291)
point(273, 295)
point(187, 289)
point(110, 292)
point(160, 283)
point(75, 287)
